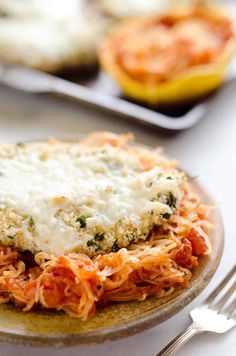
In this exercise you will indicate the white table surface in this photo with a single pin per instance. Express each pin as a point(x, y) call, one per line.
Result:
point(207, 150)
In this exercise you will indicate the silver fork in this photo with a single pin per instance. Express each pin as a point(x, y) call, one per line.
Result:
point(217, 314)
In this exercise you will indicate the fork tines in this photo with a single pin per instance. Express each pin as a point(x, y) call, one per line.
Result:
point(223, 299)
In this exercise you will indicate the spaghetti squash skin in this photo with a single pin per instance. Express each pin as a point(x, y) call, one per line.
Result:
point(171, 58)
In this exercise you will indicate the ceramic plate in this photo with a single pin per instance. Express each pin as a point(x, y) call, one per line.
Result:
point(47, 328)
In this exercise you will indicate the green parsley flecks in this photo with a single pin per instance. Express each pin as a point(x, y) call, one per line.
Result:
point(82, 220)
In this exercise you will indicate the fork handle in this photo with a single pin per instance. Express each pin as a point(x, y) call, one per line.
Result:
point(179, 341)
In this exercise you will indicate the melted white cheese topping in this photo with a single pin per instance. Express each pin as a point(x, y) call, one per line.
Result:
point(49, 35)
point(105, 184)
point(118, 9)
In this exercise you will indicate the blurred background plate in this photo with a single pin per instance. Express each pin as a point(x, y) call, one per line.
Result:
point(62, 38)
